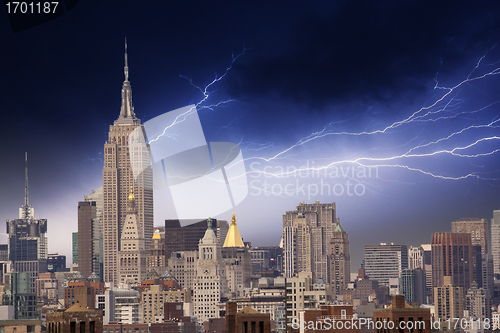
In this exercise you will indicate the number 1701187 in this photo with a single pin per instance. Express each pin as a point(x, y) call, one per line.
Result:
point(33, 7)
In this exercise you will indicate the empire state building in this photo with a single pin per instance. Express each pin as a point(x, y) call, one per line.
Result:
point(122, 155)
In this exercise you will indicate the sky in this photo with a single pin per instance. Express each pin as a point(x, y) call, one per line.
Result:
point(389, 109)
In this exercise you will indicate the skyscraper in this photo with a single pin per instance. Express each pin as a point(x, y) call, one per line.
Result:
point(478, 228)
point(452, 256)
point(90, 234)
point(27, 240)
point(385, 261)
point(210, 283)
point(495, 240)
point(28, 253)
point(307, 232)
point(125, 144)
point(340, 261)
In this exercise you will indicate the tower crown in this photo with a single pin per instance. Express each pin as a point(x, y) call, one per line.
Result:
point(233, 238)
point(127, 115)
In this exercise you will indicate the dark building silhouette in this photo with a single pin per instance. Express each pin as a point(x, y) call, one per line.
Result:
point(56, 263)
point(185, 238)
point(86, 220)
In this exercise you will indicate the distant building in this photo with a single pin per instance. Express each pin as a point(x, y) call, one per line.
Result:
point(478, 302)
point(413, 285)
point(448, 300)
point(340, 265)
point(83, 290)
point(20, 294)
point(75, 247)
point(89, 238)
point(75, 319)
point(303, 293)
point(365, 290)
point(237, 260)
point(182, 265)
point(27, 240)
point(178, 238)
point(400, 313)
point(325, 317)
point(121, 306)
point(416, 257)
point(452, 256)
point(56, 263)
point(495, 240)
point(246, 320)
point(32, 325)
point(478, 228)
point(156, 253)
point(210, 283)
point(307, 232)
point(385, 261)
point(47, 289)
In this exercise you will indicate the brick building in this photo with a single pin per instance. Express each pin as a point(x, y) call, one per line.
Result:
point(246, 320)
point(405, 317)
point(75, 319)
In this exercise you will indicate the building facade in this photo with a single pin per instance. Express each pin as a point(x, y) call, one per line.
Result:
point(127, 163)
point(495, 240)
point(307, 232)
point(340, 264)
point(210, 283)
point(385, 261)
point(452, 256)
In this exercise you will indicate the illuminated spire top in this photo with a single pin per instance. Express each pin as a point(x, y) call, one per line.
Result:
point(127, 115)
point(233, 238)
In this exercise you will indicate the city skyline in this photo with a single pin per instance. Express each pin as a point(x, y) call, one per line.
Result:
point(309, 84)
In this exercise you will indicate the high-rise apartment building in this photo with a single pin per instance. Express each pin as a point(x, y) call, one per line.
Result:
point(452, 256)
point(385, 261)
point(307, 232)
point(340, 264)
point(495, 240)
point(448, 300)
point(127, 164)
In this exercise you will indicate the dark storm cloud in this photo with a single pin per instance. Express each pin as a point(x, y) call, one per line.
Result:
point(371, 50)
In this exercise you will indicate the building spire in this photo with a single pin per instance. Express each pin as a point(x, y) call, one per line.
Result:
point(26, 211)
point(26, 200)
point(127, 115)
point(233, 238)
point(126, 62)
